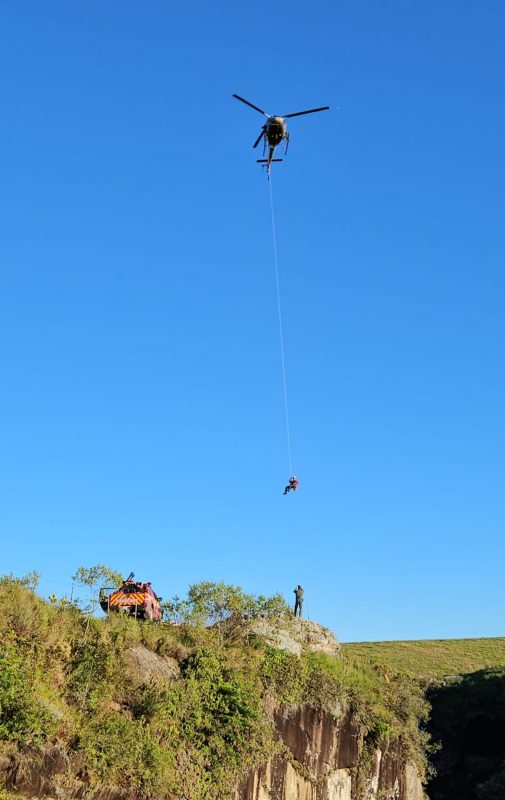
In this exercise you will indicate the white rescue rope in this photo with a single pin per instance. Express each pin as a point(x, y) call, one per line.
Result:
point(281, 334)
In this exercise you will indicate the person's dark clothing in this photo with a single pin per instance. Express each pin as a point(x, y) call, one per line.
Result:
point(298, 601)
point(292, 485)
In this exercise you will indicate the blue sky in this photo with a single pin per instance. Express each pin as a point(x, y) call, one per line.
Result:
point(141, 411)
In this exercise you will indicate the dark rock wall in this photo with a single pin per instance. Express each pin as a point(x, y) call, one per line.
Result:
point(321, 763)
point(318, 740)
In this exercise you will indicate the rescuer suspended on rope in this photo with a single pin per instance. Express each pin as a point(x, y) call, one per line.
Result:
point(292, 485)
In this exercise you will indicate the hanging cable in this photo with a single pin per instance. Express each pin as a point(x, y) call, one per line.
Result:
point(281, 333)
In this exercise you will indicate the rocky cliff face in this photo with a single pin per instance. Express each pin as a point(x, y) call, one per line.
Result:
point(321, 761)
point(113, 711)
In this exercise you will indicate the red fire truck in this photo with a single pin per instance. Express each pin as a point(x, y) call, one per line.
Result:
point(135, 598)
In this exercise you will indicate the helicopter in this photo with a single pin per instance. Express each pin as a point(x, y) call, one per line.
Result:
point(274, 131)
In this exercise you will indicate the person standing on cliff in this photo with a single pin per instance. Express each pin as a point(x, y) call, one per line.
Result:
point(298, 601)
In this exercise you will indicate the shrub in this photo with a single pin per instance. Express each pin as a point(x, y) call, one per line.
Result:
point(208, 603)
point(125, 753)
point(22, 717)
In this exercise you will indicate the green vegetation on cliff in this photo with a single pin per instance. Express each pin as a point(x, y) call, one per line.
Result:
point(67, 683)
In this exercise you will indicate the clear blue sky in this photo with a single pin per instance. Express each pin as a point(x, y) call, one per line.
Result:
point(141, 407)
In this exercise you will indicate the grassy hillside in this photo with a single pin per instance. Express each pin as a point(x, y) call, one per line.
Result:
point(431, 659)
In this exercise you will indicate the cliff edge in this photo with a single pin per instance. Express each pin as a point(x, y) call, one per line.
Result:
point(253, 708)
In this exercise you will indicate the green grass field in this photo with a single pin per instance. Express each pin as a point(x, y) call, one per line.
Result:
point(431, 659)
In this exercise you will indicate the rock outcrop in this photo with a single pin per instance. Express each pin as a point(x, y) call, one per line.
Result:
point(143, 665)
point(321, 761)
point(292, 635)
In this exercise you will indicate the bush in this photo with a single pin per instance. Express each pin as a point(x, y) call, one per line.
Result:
point(22, 717)
point(125, 753)
point(94, 671)
point(208, 603)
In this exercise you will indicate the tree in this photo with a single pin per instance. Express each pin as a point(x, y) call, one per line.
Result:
point(95, 577)
point(208, 602)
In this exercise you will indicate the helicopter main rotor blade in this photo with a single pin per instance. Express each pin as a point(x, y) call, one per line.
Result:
point(310, 111)
point(258, 140)
point(250, 104)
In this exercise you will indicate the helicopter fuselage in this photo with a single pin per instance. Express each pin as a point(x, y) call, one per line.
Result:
point(275, 131)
